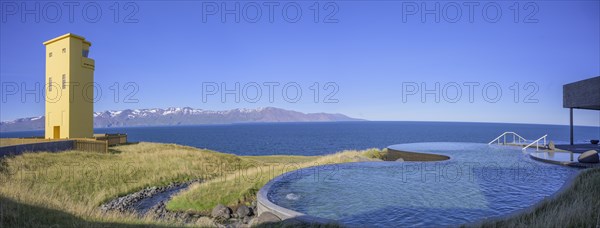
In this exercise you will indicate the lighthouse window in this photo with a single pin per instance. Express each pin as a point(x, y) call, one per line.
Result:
point(50, 54)
point(64, 50)
point(64, 81)
point(50, 84)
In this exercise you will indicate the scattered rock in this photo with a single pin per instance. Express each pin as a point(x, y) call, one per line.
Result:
point(590, 156)
point(246, 220)
point(128, 203)
point(400, 160)
point(243, 211)
point(221, 212)
point(265, 217)
point(223, 215)
point(253, 207)
point(160, 211)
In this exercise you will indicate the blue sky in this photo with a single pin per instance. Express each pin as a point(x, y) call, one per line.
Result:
point(364, 54)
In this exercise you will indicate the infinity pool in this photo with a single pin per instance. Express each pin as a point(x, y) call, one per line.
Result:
point(479, 181)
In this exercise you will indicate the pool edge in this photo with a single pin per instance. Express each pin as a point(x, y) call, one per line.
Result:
point(263, 204)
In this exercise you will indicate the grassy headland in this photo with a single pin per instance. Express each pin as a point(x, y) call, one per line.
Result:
point(65, 189)
point(77, 182)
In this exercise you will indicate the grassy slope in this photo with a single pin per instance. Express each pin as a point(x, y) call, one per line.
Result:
point(66, 188)
point(21, 215)
point(78, 182)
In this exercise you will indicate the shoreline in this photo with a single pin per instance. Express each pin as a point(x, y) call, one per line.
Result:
point(294, 122)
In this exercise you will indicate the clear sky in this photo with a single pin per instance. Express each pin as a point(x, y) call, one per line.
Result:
point(371, 59)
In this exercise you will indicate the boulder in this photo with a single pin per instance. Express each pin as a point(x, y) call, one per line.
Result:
point(594, 141)
point(590, 156)
point(243, 211)
point(551, 145)
point(265, 218)
point(221, 212)
point(246, 220)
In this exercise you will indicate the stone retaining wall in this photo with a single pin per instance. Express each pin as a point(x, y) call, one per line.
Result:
point(55, 146)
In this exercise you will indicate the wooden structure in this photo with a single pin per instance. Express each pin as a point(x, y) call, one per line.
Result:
point(91, 145)
point(99, 144)
point(112, 139)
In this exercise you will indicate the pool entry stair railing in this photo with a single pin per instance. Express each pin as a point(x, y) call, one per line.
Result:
point(516, 139)
point(537, 143)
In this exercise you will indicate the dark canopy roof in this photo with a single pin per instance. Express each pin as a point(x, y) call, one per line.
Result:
point(584, 94)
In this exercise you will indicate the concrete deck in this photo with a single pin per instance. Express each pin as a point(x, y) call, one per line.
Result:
point(579, 148)
point(568, 156)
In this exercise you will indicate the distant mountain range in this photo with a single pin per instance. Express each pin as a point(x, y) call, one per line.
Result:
point(182, 116)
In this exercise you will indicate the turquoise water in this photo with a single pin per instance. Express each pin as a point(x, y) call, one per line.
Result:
point(479, 181)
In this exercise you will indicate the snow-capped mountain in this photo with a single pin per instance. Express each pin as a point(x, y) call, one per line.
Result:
point(182, 116)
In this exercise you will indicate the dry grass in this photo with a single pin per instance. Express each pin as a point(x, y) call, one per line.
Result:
point(76, 183)
point(242, 186)
point(66, 188)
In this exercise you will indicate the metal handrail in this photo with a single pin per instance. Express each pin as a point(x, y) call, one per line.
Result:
point(537, 143)
point(515, 137)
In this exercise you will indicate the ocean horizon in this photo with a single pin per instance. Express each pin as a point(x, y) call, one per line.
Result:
point(319, 138)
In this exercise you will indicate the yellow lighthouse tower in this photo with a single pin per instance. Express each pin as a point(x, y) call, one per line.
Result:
point(69, 88)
